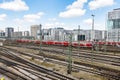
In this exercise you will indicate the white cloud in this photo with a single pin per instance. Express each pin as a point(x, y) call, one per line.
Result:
point(30, 18)
point(97, 26)
point(88, 21)
point(77, 4)
point(33, 17)
point(52, 19)
point(54, 24)
point(100, 3)
point(16, 5)
point(2, 17)
point(19, 21)
point(74, 10)
point(72, 13)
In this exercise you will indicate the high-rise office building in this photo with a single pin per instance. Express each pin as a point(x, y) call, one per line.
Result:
point(114, 19)
point(34, 29)
point(113, 25)
point(8, 32)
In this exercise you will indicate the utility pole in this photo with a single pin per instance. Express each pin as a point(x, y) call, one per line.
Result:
point(106, 35)
point(40, 36)
point(118, 36)
point(18, 33)
point(70, 55)
point(78, 37)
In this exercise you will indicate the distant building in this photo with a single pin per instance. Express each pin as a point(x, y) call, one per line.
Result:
point(2, 34)
point(21, 35)
point(34, 29)
point(17, 35)
point(60, 34)
point(66, 35)
point(44, 33)
point(8, 32)
point(113, 24)
point(25, 33)
point(86, 35)
point(57, 34)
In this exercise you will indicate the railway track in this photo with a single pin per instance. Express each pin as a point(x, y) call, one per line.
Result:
point(48, 73)
point(6, 69)
point(11, 75)
point(95, 71)
point(107, 59)
point(17, 66)
point(23, 68)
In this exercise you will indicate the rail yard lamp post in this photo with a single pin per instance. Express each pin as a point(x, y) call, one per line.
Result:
point(92, 35)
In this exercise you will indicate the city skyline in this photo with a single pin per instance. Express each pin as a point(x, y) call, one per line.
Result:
point(55, 13)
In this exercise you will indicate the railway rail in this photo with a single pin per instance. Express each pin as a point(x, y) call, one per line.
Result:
point(110, 47)
point(107, 59)
point(20, 67)
point(11, 75)
point(97, 70)
point(49, 73)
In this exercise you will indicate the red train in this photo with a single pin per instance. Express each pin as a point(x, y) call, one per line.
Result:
point(66, 43)
point(60, 43)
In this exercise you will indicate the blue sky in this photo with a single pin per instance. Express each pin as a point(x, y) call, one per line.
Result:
point(55, 13)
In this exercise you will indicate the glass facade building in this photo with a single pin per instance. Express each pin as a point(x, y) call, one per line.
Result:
point(114, 19)
point(113, 24)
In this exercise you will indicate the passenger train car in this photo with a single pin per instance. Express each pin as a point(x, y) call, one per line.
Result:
point(87, 44)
